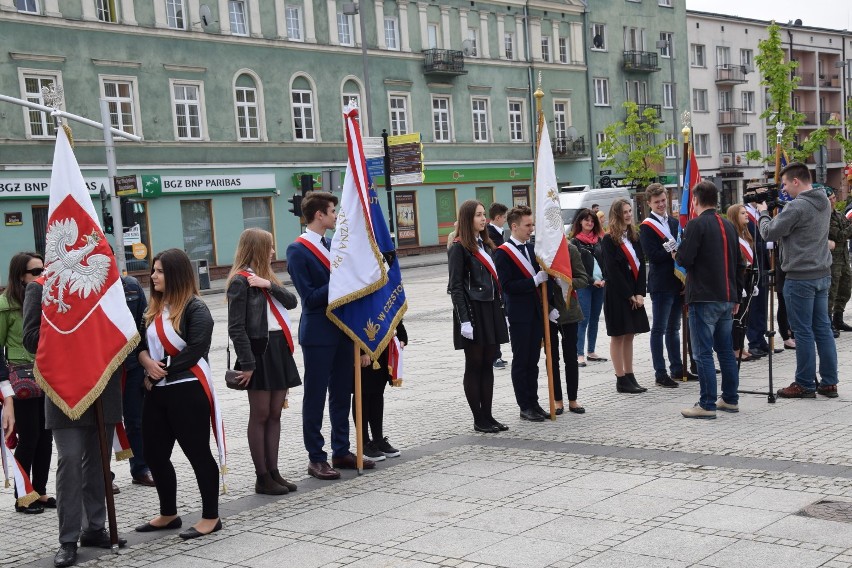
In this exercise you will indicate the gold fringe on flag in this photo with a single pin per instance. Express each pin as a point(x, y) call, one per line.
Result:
point(27, 499)
point(124, 455)
point(67, 130)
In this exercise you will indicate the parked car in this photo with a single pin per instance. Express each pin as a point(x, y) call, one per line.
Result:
point(572, 198)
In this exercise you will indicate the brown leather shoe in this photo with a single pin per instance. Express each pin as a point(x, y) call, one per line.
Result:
point(350, 462)
point(321, 470)
point(145, 479)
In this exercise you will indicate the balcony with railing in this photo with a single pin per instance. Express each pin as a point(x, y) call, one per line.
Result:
point(824, 117)
point(658, 111)
point(829, 82)
point(805, 79)
point(835, 155)
point(729, 74)
point(565, 148)
point(810, 117)
point(732, 117)
point(446, 62)
point(640, 61)
point(729, 160)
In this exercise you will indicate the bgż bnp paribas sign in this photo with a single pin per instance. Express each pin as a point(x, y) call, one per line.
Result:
point(157, 185)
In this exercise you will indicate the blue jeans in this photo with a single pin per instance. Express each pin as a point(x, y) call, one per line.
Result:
point(710, 326)
point(807, 310)
point(666, 312)
point(591, 302)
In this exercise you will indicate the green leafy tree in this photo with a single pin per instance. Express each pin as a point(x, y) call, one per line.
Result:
point(630, 147)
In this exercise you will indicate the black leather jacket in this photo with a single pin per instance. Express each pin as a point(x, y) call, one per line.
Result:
point(248, 327)
point(469, 280)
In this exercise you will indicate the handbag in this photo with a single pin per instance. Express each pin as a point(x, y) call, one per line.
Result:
point(23, 382)
point(232, 376)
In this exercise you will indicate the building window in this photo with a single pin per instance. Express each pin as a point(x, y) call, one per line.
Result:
point(398, 105)
point(723, 55)
point(303, 115)
point(749, 141)
point(27, 6)
point(344, 29)
point(670, 149)
point(294, 23)
point(187, 104)
point(441, 120)
point(668, 50)
point(699, 100)
point(725, 100)
point(257, 213)
point(665, 3)
point(599, 37)
point(248, 117)
point(174, 14)
point(563, 50)
point(600, 138)
point(702, 144)
point(697, 58)
point(509, 45)
point(636, 91)
point(197, 222)
point(747, 59)
point(634, 39)
point(601, 91)
point(120, 97)
point(726, 142)
point(39, 124)
point(432, 32)
point(748, 101)
point(561, 119)
point(545, 48)
point(668, 95)
point(391, 34)
point(516, 120)
point(237, 15)
point(474, 45)
point(479, 108)
point(106, 10)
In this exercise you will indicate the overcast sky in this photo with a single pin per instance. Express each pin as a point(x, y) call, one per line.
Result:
point(833, 14)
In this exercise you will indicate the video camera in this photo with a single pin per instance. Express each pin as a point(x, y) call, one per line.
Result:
point(769, 193)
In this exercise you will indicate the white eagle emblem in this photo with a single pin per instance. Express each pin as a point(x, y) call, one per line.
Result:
point(82, 273)
point(553, 211)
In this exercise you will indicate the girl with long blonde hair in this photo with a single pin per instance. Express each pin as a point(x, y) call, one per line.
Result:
point(738, 216)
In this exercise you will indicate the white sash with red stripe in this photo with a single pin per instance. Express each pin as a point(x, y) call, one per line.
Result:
point(164, 340)
point(395, 362)
point(313, 242)
point(26, 494)
point(279, 312)
point(662, 229)
point(630, 253)
point(745, 248)
point(849, 214)
point(486, 260)
point(523, 263)
point(752, 213)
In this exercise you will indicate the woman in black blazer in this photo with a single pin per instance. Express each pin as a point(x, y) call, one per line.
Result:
point(479, 322)
point(624, 296)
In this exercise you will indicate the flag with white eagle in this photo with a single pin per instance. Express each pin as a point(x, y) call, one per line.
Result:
point(551, 246)
point(86, 329)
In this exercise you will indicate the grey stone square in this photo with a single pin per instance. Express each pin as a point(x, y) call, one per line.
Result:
point(455, 542)
point(686, 489)
point(608, 481)
point(181, 561)
point(748, 554)
point(533, 474)
point(522, 552)
point(617, 559)
point(564, 497)
point(729, 518)
point(479, 468)
point(240, 547)
point(433, 482)
point(806, 529)
point(385, 561)
point(373, 503)
point(635, 506)
point(573, 530)
point(507, 520)
point(675, 545)
point(301, 554)
point(488, 488)
point(374, 530)
point(429, 510)
point(770, 499)
point(316, 522)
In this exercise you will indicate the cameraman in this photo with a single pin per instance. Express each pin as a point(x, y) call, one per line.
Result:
point(802, 228)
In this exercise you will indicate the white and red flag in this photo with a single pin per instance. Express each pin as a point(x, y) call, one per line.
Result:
point(86, 329)
point(26, 494)
point(551, 246)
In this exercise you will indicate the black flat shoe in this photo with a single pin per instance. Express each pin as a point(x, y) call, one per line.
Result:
point(499, 425)
point(192, 532)
point(49, 504)
point(34, 508)
point(175, 523)
point(577, 409)
point(486, 428)
point(560, 411)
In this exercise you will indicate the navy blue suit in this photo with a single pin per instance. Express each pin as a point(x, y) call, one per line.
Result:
point(523, 308)
point(328, 357)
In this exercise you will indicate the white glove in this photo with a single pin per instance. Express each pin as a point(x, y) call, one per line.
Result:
point(507, 323)
point(670, 245)
point(541, 276)
point(554, 315)
point(756, 291)
point(467, 330)
point(745, 295)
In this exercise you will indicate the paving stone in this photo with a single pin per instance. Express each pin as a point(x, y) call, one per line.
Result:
point(674, 488)
point(729, 518)
point(490, 489)
point(675, 545)
point(574, 530)
point(454, 541)
point(564, 497)
point(750, 554)
point(236, 549)
point(538, 474)
point(507, 520)
point(429, 510)
point(375, 530)
point(634, 506)
point(609, 481)
point(479, 468)
point(522, 552)
point(770, 499)
point(373, 503)
point(616, 559)
point(814, 531)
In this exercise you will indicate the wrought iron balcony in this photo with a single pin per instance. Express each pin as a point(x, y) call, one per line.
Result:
point(568, 148)
point(805, 79)
point(728, 74)
point(824, 117)
point(810, 117)
point(640, 61)
point(445, 62)
point(658, 111)
point(732, 117)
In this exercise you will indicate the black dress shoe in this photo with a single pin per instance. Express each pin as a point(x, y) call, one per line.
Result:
point(543, 412)
point(500, 426)
point(349, 461)
point(532, 415)
point(175, 523)
point(666, 382)
point(577, 409)
point(66, 555)
point(321, 470)
point(99, 539)
point(192, 532)
point(486, 428)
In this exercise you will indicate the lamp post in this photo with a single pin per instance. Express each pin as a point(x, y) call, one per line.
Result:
point(669, 46)
point(845, 66)
point(351, 9)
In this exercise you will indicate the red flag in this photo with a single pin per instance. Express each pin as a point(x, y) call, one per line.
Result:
point(86, 329)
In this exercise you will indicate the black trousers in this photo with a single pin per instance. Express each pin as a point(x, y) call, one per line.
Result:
point(35, 443)
point(566, 335)
point(373, 382)
point(180, 413)
point(526, 353)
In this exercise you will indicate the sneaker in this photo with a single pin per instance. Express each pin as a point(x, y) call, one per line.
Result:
point(384, 446)
point(698, 412)
point(666, 382)
point(372, 452)
point(499, 364)
point(795, 390)
point(725, 407)
point(827, 390)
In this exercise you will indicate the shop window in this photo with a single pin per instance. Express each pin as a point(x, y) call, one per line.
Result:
point(197, 223)
point(257, 213)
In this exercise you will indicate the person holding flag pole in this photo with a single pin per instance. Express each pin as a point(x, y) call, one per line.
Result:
point(691, 176)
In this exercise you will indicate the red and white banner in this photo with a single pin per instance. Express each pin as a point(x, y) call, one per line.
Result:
point(395, 361)
point(26, 494)
point(551, 246)
point(84, 312)
point(279, 312)
point(521, 261)
point(120, 443)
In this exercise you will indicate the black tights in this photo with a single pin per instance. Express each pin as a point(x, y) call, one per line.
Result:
point(373, 384)
point(479, 381)
point(264, 428)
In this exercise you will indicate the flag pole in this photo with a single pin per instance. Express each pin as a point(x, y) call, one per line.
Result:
point(539, 94)
point(359, 414)
point(684, 307)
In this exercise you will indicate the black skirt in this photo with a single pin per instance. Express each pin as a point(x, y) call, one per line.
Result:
point(275, 368)
point(621, 318)
point(489, 325)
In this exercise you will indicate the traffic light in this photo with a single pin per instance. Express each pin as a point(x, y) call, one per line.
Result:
point(108, 227)
point(307, 181)
point(126, 212)
point(296, 209)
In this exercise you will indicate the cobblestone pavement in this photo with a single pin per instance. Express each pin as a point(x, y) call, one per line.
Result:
point(630, 483)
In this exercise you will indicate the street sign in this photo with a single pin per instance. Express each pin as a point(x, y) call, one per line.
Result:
point(406, 159)
point(126, 185)
point(132, 235)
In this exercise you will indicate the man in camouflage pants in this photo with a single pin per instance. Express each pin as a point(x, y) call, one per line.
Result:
point(839, 232)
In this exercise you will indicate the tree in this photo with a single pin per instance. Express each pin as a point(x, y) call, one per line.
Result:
point(630, 147)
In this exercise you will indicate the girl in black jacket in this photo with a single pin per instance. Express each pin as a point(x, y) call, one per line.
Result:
point(260, 329)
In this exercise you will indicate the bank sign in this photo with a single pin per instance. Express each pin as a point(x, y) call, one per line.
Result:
point(28, 188)
point(158, 185)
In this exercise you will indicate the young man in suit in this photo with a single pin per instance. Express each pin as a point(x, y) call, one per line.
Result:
point(496, 220)
point(327, 352)
point(520, 276)
point(657, 236)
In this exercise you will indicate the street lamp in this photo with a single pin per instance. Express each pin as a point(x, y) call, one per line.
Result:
point(669, 47)
point(845, 65)
point(351, 9)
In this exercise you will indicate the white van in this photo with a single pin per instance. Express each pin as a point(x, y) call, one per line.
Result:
point(572, 198)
